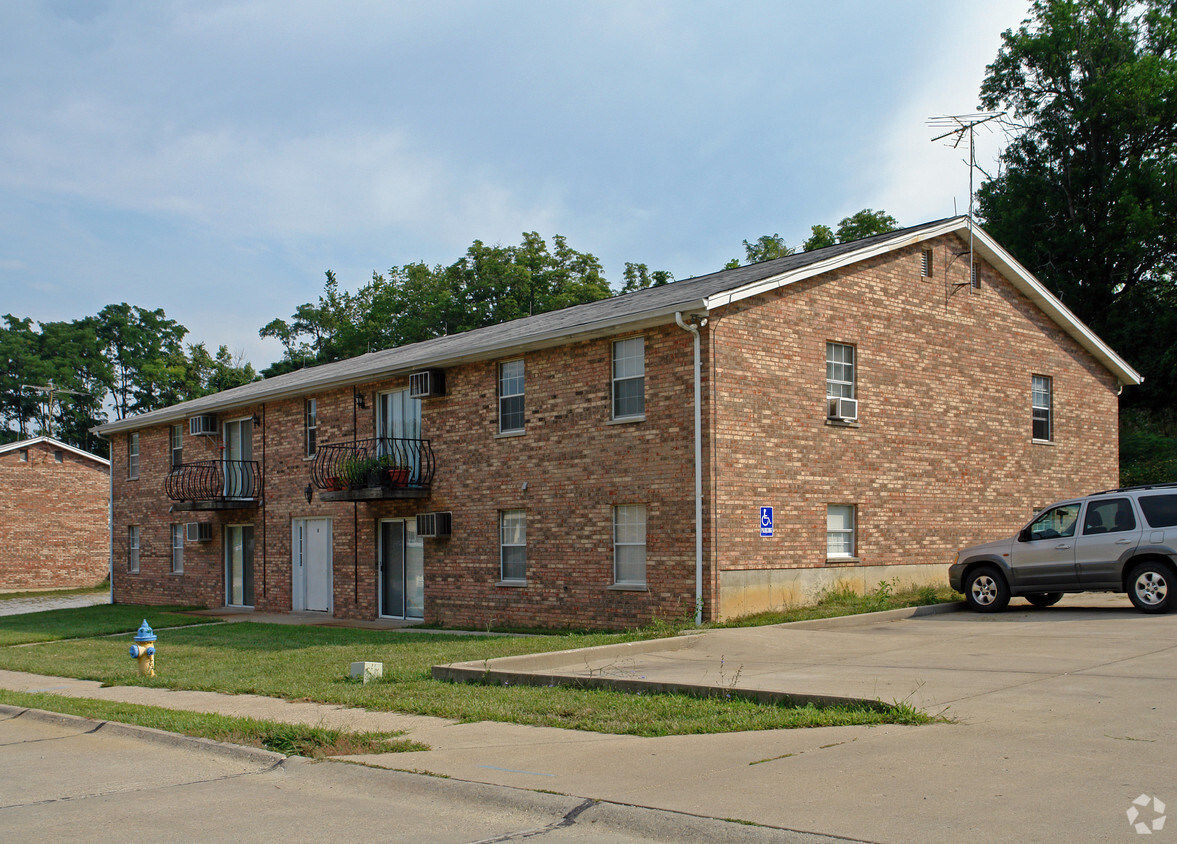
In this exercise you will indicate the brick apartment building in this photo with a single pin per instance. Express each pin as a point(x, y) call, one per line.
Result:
point(54, 516)
point(614, 462)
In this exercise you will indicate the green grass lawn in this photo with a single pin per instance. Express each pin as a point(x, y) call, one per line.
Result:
point(290, 739)
point(83, 622)
point(311, 663)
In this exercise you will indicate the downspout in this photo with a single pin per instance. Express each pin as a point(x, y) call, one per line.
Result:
point(694, 329)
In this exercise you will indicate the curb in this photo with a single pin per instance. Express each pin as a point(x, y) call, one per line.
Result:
point(269, 758)
point(863, 619)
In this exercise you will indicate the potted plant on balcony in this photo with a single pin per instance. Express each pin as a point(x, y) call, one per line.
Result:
point(392, 471)
point(359, 472)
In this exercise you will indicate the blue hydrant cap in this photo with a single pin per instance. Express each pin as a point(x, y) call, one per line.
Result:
point(145, 634)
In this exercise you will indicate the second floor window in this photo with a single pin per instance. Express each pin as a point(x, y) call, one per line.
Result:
point(629, 378)
point(510, 396)
point(1042, 402)
point(312, 426)
point(177, 440)
point(839, 371)
point(132, 456)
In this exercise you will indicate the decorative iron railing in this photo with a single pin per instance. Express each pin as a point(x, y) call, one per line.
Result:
point(380, 462)
point(214, 480)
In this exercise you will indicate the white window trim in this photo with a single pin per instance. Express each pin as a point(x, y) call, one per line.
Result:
point(503, 545)
point(853, 364)
point(133, 548)
point(177, 549)
point(644, 545)
point(310, 427)
point(614, 380)
point(176, 435)
point(1048, 407)
point(521, 394)
point(852, 532)
point(133, 456)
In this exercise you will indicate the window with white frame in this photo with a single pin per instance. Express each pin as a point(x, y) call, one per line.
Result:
point(177, 549)
point(23, 455)
point(839, 371)
point(513, 544)
point(510, 396)
point(133, 549)
point(58, 456)
point(629, 378)
point(1042, 401)
point(177, 443)
point(629, 545)
point(840, 531)
point(312, 426)
point(132, 456)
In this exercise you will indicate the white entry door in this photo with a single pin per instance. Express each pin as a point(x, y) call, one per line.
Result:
point(311, 566)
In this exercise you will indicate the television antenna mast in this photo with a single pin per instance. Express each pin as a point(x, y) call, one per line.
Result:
point(953, 129)
point(51, 390)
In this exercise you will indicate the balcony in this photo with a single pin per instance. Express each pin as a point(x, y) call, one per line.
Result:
point(215, 485)
point(373, 470)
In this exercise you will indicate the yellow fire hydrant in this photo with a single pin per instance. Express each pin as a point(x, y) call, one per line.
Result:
point(144, 649)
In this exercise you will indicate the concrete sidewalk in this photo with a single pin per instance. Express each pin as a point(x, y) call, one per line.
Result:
point(1063, 717)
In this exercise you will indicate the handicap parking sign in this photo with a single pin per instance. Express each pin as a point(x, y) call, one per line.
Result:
point(766, 521)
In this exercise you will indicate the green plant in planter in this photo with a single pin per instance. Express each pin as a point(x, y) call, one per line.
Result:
point(359, 471)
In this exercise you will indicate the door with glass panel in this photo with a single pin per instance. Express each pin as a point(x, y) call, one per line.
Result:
point(239, 565)
point(398, 428)
point(402, 569)
point(238, 456)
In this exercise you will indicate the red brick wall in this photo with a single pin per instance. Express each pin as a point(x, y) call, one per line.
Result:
point(943, 456)
point(54, 530)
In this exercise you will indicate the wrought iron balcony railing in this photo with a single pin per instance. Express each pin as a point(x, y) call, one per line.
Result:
point(215, 480)
point(382, 463)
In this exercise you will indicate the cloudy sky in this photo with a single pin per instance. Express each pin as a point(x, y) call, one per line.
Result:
point(214, 157)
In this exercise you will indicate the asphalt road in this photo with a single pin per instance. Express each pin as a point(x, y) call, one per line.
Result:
point(67, 779)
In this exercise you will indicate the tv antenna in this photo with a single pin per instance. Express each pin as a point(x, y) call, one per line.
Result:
point(52, 390)
point(958, 126)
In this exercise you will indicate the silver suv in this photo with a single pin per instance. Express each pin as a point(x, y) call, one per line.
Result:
point(1121, 540)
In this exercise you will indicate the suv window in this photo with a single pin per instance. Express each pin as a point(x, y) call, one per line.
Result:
point(1055, 523)
point(1159, 510)
point(1110, 516)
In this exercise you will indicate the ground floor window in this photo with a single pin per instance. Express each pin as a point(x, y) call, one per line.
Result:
point(133, 549)
point(840, 530)
point(513, 545)
point(629, 545)
point(239, 565)
point(177, 549)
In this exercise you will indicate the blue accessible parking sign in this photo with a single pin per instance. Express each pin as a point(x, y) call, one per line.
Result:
point(766, 521)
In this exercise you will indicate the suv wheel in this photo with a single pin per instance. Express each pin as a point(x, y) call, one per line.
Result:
point(985, 590)
point(1149, 585)
point(1045, 599)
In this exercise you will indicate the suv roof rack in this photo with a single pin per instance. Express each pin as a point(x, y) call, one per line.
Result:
point(1169, 485)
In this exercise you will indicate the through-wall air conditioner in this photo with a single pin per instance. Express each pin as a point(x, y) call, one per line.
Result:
point(427, 383)
point(434, 524)
point(204, 425)
point(199, 531)
point(844, 410)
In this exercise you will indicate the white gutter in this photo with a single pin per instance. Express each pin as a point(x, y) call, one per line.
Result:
point(694, 329)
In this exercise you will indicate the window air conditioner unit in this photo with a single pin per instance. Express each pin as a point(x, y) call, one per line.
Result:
point(199, 531)
point(434, 524)
point(426, 384)
point(204, 425)
point(845, 410)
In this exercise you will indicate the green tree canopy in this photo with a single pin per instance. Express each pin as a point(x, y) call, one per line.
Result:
point(1087, 194)
point(864, 223)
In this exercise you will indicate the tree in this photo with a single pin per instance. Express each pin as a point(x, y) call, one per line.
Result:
point(486, 286)
point(146, 356)
point(865, 223)
point(820, 236)
point(639, 277)
point(1087, 195)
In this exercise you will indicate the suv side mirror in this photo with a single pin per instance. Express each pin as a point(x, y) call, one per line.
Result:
point(1024, 535)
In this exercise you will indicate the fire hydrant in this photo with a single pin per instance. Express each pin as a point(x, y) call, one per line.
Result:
point(144, 649)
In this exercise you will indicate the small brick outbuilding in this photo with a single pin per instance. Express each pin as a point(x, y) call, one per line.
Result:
point(724, 444)
point(54, 516)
